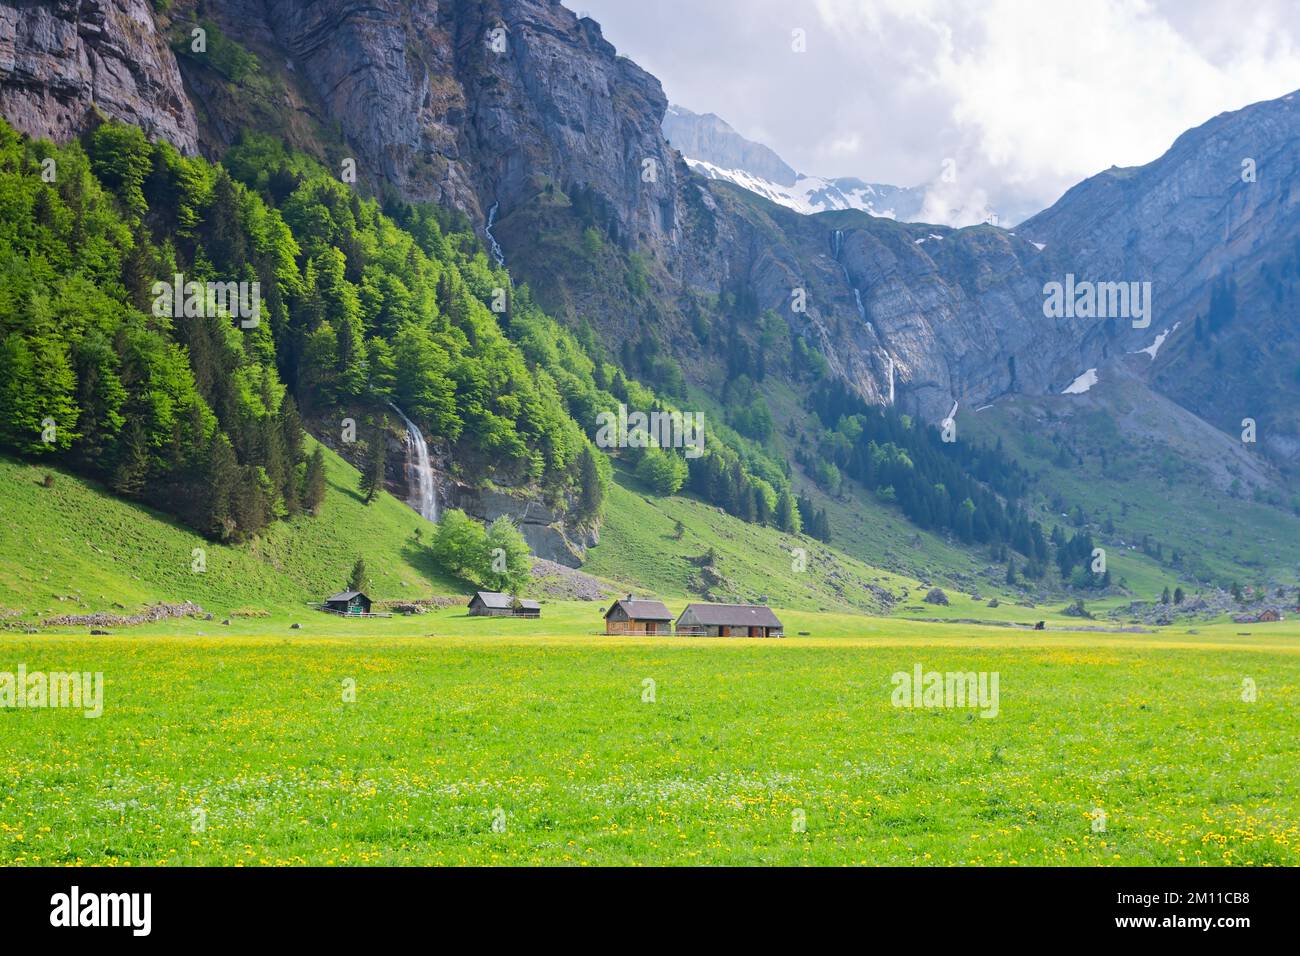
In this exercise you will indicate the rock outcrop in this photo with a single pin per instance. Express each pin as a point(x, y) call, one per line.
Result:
point(479, 104)
point(61, 61)
point(548, 535)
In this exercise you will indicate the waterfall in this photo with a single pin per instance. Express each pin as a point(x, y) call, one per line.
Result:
point(497, 252)
point(420, 495)
point(837, 246)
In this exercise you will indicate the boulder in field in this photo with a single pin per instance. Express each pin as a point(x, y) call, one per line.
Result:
point(936, 596)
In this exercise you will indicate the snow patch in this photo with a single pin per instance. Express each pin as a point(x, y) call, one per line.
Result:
point(808, 195)
point(1081, 384)
point(1154, 348)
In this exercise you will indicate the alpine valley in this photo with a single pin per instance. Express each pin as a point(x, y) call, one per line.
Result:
point(471, 232)
point(421, 445)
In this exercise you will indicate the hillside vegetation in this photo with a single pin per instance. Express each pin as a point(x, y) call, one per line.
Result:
point(680, 546)
point(1105, 463)
point(101, 553)
point(74, 548)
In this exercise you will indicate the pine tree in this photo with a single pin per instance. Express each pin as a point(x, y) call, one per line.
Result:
point(359, 580)
point(1011, 571)
point(283, 451)
point(787, 513)
point(133, 466)
point(592, 496)
point(251, 509)
point(223, 485)
point(226, 244)
point(313, 492)
point(372, 479)
point(291, 430)
point(1178, 595)
point(1165, 596)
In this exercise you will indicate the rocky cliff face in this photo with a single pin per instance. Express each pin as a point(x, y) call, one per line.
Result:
point(548, 535)
point(481, 104)
point(61, 61)
point(1221, 208)
point(489, 104)
point(959, 314)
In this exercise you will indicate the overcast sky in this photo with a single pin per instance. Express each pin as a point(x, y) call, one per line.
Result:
point(1026, 96)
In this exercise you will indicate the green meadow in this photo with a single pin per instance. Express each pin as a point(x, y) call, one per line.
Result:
point(456, 740)
point(444, 739)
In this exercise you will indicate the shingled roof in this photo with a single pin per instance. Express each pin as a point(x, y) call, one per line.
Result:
point(640, 610)
point(733, 615)
point(503, 602)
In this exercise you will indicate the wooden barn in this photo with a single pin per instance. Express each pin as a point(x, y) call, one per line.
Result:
point(730, 620)
point(496, 604)
point(631, 616)
point(1267, 616)
point(347, 602)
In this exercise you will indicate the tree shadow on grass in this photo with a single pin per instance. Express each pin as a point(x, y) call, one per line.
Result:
point(348, 490)
point(421, 558)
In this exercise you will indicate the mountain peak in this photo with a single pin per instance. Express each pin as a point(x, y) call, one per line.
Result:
point(709, 138)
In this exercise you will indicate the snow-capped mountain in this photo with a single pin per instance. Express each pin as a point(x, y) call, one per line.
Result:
point(714, 150)
point(809, 194)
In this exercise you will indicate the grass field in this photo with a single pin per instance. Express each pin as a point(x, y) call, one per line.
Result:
point(543, 728)
point(481, 741)
point(73, 548)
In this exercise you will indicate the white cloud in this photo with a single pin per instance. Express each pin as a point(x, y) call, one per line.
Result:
point(1028, 96)
point(844, 145)
point(1046, 93)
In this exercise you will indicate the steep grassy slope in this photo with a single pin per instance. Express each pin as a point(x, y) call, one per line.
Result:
point(639, 545)
point(73, 548)
point(1140, 470)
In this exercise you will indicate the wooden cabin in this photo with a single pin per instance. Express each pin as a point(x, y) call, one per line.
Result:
point(496, 604)
point(730, 620)
point(347, 602)
point(631, 616)
point(1267, 616)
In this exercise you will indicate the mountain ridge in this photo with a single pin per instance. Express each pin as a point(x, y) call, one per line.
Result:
point(617, 235)
point(716, 151)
